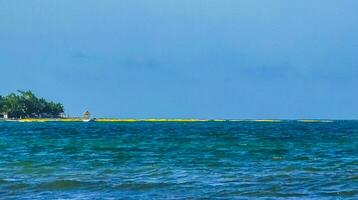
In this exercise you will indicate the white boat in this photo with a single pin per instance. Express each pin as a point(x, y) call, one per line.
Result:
point(87, 117)
point(87, 120)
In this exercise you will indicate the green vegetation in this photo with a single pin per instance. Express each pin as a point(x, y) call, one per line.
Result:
point(25, 104)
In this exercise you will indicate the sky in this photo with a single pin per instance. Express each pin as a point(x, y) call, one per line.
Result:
point(231, 59)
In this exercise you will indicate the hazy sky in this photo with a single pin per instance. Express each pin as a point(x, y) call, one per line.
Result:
point(187, 58)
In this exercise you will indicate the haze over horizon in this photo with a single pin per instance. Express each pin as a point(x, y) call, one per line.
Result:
point(184, 59)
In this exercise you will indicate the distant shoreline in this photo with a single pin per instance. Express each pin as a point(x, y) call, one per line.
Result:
point(158, 120)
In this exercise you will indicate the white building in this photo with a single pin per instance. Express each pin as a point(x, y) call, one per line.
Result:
point(4, 115)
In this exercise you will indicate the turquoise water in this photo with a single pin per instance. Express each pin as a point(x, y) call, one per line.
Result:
point(242, 160)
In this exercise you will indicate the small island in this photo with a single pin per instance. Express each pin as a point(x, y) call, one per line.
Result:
point(25, 104)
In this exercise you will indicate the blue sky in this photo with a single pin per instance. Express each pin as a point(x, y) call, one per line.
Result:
point(204, 59)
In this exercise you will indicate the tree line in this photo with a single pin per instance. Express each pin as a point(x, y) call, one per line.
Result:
point(25, 104)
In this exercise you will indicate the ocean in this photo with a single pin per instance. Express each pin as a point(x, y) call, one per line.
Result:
point(195, 160)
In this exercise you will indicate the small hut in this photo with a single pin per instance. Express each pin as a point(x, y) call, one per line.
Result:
point(86, 115)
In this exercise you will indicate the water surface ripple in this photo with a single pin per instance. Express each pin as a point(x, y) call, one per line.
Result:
point(227, 160)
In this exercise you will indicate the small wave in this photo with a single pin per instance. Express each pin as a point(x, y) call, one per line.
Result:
point(142, 186)
point(348, 193)
point(64, 185)
point(2, 181)
point(315, 121)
